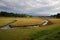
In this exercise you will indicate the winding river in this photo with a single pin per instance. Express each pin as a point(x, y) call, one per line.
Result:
point(45, 22)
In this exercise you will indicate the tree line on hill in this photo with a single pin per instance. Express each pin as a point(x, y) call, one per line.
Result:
point(6, 14)
point(56, 16)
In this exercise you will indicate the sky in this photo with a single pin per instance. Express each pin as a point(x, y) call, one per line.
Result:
point(31, 7)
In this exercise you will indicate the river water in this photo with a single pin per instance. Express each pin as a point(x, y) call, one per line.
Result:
point(45, 22)
point(5, 27)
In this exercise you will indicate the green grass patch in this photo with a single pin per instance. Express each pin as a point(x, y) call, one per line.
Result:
point(49, 32)
point(30, 33)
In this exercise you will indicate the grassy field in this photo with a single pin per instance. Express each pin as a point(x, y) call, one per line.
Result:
point(20, 21)
point(27, 21)
point(4, 21)
point(55, 21)
point(49, 32)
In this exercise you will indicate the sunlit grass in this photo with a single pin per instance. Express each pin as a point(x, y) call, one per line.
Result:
point(27, 21)
point(20, 21)
point(5, 21)
point(29, 33)
point(48, 32)
point(55, 21)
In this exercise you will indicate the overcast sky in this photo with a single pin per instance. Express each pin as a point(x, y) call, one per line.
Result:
point(32, 7)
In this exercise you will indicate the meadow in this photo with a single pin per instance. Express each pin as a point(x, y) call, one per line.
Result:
point(20, 21)
point(48, 32)
point(55, 21)
point(5, 21)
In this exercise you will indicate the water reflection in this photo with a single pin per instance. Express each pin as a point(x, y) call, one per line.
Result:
point(5, 27)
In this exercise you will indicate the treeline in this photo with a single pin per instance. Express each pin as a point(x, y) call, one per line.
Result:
point(56, 16)
point(6, 14)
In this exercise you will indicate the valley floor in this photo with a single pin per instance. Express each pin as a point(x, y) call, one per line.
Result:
point(48, 32)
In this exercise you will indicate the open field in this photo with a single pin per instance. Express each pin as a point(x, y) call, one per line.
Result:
point(49, 32)
point(55, 21)
point(26, 22)
point(4, 21)
point(45, 33)
point(21, 21)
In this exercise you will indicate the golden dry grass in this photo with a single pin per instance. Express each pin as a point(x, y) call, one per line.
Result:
point(55, 20)
point(5, 20)
point(20, 21)
point(40, 33)
point(27, 21)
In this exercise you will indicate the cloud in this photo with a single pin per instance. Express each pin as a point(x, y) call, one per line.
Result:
point(32, 7)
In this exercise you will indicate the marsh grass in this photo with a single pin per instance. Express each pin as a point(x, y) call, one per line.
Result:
point(49, 32)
